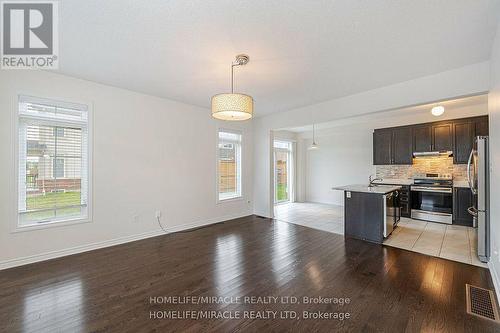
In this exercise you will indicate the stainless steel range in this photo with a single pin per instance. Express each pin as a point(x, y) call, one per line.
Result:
point(432, 198)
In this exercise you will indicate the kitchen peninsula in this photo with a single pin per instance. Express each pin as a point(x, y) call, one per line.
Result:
point(370, 211)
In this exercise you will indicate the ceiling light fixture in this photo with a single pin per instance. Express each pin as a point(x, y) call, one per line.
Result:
point(233, 106)
point(437, 110)
point(314, 145)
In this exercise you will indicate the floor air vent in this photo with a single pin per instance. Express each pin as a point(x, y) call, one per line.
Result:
point(481, 302)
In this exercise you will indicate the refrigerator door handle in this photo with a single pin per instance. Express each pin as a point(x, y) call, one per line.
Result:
point(469, 178)
point(472, 211)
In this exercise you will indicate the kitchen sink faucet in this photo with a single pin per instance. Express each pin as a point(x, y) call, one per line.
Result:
point(371, 180)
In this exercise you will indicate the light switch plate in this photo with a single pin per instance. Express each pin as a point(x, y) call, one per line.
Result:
point(348, 194)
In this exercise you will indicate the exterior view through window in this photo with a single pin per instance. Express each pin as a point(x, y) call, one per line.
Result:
point(282, 171)
point(229, 165)
point(53, 161)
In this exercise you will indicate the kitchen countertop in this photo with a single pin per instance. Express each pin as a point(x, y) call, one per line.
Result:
point(400, 181)
point(379, 189)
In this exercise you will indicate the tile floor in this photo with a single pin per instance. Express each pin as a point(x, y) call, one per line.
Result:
point(451, 242)
point(318, 216)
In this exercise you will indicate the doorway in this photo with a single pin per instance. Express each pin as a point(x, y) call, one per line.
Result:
point(283, 172)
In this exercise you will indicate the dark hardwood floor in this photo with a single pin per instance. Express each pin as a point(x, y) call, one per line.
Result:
point(109, 290)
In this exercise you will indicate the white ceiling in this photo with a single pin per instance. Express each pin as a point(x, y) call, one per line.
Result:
point(301, 51)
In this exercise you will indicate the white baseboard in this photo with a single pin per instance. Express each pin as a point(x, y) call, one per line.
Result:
point(116, 241)
point(494, 277)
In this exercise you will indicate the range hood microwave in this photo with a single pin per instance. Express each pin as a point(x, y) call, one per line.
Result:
point(447, 153)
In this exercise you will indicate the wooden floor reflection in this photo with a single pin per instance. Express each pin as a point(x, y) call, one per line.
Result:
point(109, 290)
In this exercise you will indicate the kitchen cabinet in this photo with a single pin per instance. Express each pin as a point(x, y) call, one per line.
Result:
point(364, 216)
point(396, 145)
point(463, 138)
point(462, 199)
point(481, 126)
point(442, 138)
point(382, 147)
point(422, 138)
point(402, 146)
point(404, 199)
point(392, 146)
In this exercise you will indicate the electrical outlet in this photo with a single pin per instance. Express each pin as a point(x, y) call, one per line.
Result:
point(158, 214)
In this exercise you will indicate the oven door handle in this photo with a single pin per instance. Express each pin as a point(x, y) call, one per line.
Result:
point(431, 189)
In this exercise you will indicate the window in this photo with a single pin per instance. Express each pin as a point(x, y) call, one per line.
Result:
point(59, 132)
point(53, 160)
point(58, 168)
point(229, 165)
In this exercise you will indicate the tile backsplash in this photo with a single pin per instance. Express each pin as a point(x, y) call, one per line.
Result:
point(436, 164)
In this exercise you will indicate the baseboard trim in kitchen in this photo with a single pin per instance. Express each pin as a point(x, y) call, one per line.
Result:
point(495, 278)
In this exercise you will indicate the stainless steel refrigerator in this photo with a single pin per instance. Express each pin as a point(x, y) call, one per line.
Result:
point(478, 176)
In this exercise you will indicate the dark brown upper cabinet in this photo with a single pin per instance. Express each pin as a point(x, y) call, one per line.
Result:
point(396, 145)
point(481, 126)
point(422, 138)
point(463, 139)
point(392, 146)
point(402, 145)
point(382, 147)
point(442, 137)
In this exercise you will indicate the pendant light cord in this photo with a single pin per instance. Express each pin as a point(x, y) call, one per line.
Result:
point(232, 75)
point(232, 78)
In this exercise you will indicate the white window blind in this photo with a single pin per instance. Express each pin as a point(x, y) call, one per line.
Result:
point(229, 165)
point(53, 161)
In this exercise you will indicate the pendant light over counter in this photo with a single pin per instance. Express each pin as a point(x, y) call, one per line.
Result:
point(233, 106)
point(314, 145)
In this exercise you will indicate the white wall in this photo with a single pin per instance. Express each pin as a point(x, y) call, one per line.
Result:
point(494, 111)
point(344, 157)
point(464, 81)
point(149, 154)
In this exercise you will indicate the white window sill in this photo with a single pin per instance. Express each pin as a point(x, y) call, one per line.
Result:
point(47, 225)
point(230, 199)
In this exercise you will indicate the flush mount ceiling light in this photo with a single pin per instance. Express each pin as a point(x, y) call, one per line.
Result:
point(233, 106)
point(437, 110)
point(314, 145)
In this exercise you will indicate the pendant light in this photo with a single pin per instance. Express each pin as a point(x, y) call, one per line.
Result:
point(314, 145)
point(233, 106)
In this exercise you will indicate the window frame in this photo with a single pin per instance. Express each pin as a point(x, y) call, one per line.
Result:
point(289, 152)
point(240, 195)
point(16, 226)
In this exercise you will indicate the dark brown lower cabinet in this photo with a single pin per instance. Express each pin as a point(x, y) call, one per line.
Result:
point(405, 201)
point(462, 199)
point(364, 216)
